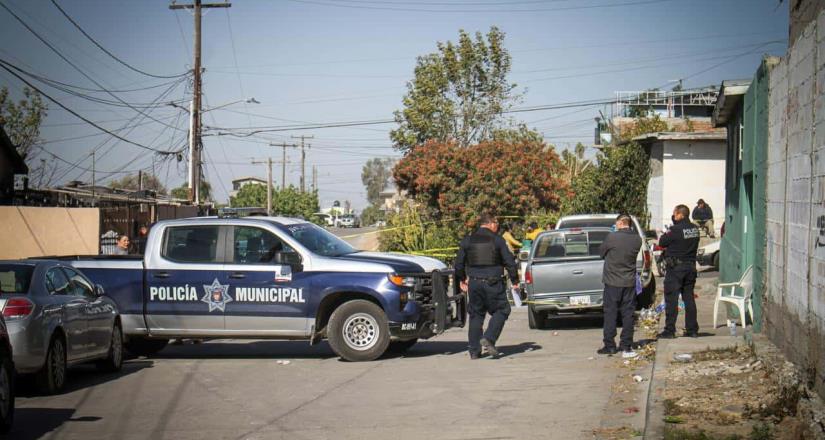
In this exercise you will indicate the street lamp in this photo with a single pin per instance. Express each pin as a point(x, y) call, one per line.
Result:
point(247, 101)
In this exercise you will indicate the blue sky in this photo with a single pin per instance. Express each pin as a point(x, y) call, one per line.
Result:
point(318, 61)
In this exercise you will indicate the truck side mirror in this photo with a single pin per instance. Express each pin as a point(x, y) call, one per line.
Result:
point(291, 259)
point(99, 290)
point(651, 234)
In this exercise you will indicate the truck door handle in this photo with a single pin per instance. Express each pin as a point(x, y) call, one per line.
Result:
point(578, 272)
point(237, 275)
point(161, 274)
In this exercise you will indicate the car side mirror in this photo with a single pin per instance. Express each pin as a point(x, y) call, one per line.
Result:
point(99, 290)
point(651, 234)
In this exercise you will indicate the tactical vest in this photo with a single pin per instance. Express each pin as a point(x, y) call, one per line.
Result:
point(481, 251)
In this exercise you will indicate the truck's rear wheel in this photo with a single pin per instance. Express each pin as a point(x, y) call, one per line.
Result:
point(358, 331)
point(645, 299)
point(144, 346)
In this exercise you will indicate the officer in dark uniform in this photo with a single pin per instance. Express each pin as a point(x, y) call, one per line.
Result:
point(479, 265)
point(680, 243)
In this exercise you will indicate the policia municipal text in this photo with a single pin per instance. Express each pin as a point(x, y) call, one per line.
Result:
point(482, 257)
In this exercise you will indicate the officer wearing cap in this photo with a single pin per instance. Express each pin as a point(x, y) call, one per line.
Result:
point(482, 256)
point(680, 243)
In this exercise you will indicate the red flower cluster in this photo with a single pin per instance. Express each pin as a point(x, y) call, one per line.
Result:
point(499, 177)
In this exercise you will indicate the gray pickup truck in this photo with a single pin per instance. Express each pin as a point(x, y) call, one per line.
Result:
point(564, 274)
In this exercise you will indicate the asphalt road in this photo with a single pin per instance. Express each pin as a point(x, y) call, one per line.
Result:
point(550, 384)
point(365, 239)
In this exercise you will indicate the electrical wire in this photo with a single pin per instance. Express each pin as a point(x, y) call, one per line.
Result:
point(107, 52)
point(564, 8)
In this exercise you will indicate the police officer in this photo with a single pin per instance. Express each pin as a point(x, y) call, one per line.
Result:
point(479, 265)
point(680, 243)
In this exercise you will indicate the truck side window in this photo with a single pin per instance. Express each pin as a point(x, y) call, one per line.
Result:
point(56, 282)
point(191, 244)
point(259, 246)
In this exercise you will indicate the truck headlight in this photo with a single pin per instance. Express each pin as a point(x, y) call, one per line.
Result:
point(400, 281)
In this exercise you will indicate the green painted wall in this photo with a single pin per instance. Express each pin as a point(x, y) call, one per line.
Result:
point(745, 205)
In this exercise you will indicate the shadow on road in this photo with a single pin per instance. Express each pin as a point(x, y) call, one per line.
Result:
point(432, 348)
point(33, 423)
point(573, 322)
point(258, 349)
point(81, 377)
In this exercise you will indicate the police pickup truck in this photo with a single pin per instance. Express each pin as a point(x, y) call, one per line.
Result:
point(275, 278)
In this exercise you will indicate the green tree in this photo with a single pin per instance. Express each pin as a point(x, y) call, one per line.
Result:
point(130, 182)
point(289, 202)
point(574, 162)
point(457, 93)
point(371, 215)
point(618, 183)
point(21, 120)
point(375, 176)
point(182, 192)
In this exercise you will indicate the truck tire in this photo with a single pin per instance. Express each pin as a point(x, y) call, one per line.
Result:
point(52, 377)
point(114, 360)
point(7, 394)
point(716, 261)
point(535, 319)
point(145, 346)
point(401, 347)
point(358, 331)
point(645, 299)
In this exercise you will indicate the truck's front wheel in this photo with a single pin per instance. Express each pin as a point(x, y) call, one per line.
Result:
point(358, 331)
point(144, 346)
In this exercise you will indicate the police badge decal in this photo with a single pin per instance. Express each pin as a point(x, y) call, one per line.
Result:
point(217, 295)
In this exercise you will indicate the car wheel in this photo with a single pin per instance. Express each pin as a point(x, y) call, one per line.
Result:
point(6, 393)
point(401, 347)
point(716, 261)
point(535, 319)
point(145, 346)
point(114, 361)
point(359, 331)
point(52, 377)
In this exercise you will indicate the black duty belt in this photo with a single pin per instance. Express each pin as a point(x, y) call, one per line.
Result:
point(488, 279)
point(673, 261)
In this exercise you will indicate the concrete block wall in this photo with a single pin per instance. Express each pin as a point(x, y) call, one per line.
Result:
point(794, 310)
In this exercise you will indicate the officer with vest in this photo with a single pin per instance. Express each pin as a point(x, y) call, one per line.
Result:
point(482, 258)
point(680, 243)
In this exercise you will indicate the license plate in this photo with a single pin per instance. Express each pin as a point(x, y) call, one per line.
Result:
point(580, 300)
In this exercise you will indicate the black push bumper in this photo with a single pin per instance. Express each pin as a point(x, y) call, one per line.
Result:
point(442, 306)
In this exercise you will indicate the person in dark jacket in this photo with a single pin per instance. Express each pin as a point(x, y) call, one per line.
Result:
point(619, 251)
point(703, 217)
point(681, 243)
point(480, 263)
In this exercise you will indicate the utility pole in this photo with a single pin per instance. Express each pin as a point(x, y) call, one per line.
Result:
point(303, 159)
point(268, 163)
point(195, 109)
point(314, 178)
point(93, 178)
point(283, 145)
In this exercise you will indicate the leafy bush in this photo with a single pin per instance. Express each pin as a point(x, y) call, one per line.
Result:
point(413, 230)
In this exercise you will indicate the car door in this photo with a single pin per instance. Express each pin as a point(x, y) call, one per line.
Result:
point(184, 292)
point(97, 313)
point(72, 305)
point(268, 284)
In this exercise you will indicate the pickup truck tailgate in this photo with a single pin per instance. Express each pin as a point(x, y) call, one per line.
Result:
point(577, 277)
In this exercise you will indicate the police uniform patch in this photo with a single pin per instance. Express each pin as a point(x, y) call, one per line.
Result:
point(217, 295)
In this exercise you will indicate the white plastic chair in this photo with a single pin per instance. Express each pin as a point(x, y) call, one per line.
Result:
point(741, 302)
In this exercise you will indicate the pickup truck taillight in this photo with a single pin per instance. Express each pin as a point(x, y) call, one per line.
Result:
point(528, 277)
point(646, 255)
point(18, 308)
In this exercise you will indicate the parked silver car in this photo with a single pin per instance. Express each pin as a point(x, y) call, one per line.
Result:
point(564, 274)
point(56, 318)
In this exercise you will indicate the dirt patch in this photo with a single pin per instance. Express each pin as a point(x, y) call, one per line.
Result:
point(725, 394)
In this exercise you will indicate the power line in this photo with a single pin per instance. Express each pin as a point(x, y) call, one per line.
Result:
point(564, 8)
point(99, 46)
point(63, 57)
point(77, 115)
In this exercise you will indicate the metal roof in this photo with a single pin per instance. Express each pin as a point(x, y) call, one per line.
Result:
point(730, 95)
point(716, 135)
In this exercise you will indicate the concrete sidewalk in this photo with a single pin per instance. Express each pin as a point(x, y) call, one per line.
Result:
point(710, 338)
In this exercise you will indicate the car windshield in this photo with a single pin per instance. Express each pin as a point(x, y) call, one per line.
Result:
point(318, 240)
point(15, 278)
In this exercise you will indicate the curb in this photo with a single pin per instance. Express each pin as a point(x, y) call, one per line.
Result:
point(655, 410)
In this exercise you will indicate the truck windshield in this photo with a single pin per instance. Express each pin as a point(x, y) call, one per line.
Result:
point(15, 278)
point(319, 240)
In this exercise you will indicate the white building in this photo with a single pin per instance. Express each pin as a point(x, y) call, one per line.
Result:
point(392, 199)
point(685, 167)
